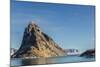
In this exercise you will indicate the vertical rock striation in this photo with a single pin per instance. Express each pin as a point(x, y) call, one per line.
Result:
point(36, 43)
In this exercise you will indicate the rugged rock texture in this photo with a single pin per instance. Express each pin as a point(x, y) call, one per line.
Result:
point(36, 43)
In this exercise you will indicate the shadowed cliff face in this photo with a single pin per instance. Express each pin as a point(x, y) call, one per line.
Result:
point(88, 53)
point(36, 43)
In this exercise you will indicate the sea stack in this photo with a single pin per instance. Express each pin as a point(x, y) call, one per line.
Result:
point(36, 43)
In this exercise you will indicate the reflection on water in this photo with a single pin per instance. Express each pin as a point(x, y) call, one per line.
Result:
point(36, 61)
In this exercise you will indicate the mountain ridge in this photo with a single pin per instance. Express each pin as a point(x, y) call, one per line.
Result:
point(36, 43)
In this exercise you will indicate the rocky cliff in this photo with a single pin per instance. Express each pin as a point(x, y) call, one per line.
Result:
point(88, 53)
point(36, 43)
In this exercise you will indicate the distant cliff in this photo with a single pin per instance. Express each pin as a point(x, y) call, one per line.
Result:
point(72, 51)
point(36, 43)
point(88, 53)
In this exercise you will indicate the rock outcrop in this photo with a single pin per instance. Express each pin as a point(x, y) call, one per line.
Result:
point(88, 53)
point(36, 43)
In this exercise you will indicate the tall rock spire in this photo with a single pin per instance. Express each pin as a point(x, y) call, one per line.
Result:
point(36, 43)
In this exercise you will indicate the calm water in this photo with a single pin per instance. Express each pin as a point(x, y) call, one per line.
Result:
point(65, 59)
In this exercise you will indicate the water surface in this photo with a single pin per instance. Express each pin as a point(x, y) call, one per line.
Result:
point(54, 60)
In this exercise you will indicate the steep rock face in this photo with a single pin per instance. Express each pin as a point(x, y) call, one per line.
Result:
point(36, 43)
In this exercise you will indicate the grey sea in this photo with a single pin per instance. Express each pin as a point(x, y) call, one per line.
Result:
point(54, 60)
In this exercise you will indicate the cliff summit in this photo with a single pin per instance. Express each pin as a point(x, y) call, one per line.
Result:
point(36, 43)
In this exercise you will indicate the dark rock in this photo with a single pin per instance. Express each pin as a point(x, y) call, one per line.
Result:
point(88, 53)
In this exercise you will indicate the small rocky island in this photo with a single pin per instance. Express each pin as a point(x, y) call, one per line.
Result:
point(88, 53)
point(37, 44)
